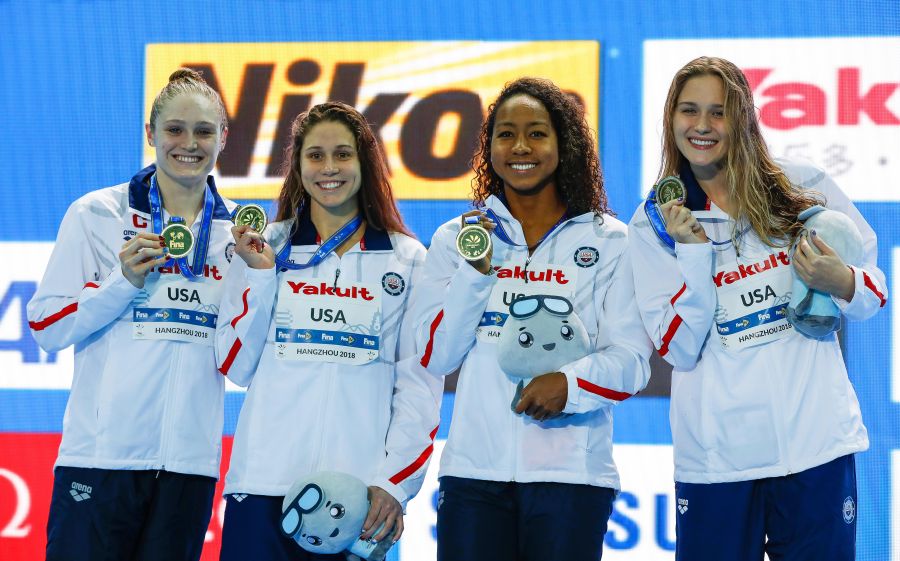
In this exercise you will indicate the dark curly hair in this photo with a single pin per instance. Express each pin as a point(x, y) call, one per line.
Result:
point(579, 180)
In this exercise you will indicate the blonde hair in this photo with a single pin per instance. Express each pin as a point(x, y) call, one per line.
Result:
point(757, 187)
point(187, 81)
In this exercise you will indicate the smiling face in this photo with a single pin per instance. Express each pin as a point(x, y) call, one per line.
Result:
point(524, 150)
point(700, 125)
point(188, 137)
point(330, 169)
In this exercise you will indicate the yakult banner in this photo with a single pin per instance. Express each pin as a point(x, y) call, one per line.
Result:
point(835, 102)
point(425, 100)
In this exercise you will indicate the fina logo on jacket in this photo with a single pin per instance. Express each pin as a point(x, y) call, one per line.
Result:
point(586, 256)
point(229, 251)
point(393, 284)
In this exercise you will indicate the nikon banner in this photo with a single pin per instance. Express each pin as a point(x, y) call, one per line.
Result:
point(425, 100)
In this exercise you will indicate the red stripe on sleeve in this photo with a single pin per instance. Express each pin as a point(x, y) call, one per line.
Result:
point(417, 463)
point(667, 338)
point(244, 312)
point(871, 286)
point(232, 354)
point(602, 392)
point(426, 358)
point(678, 294)
point(53, 318)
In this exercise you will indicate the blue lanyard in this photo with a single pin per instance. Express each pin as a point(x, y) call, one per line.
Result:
point(327, 247)
point(201, 248)
point(500, 232)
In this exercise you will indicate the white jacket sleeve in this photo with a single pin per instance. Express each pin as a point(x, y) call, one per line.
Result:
point(83, 289)
point(675, 293)
point(415, 408)
point(451, 301)
point(248, 298)
point(870, 291)
point(619, 366)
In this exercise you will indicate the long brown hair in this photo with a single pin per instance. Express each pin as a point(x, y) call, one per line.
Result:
point(376, 200)
point(579, 180)
point(757, 187)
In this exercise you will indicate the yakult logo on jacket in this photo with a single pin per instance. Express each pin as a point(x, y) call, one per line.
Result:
point(322, 289)
point(743, 271)
point(556, 276)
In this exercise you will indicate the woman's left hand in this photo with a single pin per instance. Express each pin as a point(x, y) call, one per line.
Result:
point(825, 272)
point(383, 508)
point(544, 397)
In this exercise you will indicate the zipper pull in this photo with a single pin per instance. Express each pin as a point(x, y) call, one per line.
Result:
point(337, 273)
point(525, 269)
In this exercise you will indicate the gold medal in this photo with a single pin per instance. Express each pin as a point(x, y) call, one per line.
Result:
point(473, 242)
point(179, 239)
point(669, 189)
point(251, 215)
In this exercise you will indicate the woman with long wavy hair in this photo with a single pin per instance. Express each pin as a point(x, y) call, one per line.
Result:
point(532, 479)
point(315, 323)
point(764, 419)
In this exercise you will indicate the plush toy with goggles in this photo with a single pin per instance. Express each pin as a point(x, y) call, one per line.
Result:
point(324, 513)
point(541, 334)
point(811, 312)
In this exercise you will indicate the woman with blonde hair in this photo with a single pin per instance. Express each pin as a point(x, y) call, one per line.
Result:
point(764, 419)
point(142, 433)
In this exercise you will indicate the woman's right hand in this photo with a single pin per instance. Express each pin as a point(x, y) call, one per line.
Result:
point(252, 248)
point(140, 255)
point(483, 265)
point(681, 224)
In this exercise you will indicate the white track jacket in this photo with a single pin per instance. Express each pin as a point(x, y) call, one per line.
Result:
point(376, 421)
point(487, 440)
point(134, 404)
point(749, 411)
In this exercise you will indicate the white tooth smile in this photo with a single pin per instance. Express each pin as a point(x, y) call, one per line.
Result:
point(522, 167)
point(701, 142)
point(188, 159)
point(330, 184)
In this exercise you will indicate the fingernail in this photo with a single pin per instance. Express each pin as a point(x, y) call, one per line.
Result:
point(680, 199)
point(813, 232)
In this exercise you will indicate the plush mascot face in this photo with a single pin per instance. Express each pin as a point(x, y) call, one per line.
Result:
point(324, 512)
point(541, 335)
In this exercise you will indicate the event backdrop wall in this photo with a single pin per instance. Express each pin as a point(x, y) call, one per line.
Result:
point(77, 79)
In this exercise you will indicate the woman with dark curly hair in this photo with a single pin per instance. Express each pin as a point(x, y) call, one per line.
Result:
point(531, 479)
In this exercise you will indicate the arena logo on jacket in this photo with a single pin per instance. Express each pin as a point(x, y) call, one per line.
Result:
point(834, 102)
point(519, 279)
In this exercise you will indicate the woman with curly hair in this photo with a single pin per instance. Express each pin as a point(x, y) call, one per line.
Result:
point(533, 479)
point(765, 421)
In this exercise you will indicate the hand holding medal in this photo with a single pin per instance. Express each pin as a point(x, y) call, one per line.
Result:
point(680, 223)
point(473, 243)
point(140, 255)
point(249, 223)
